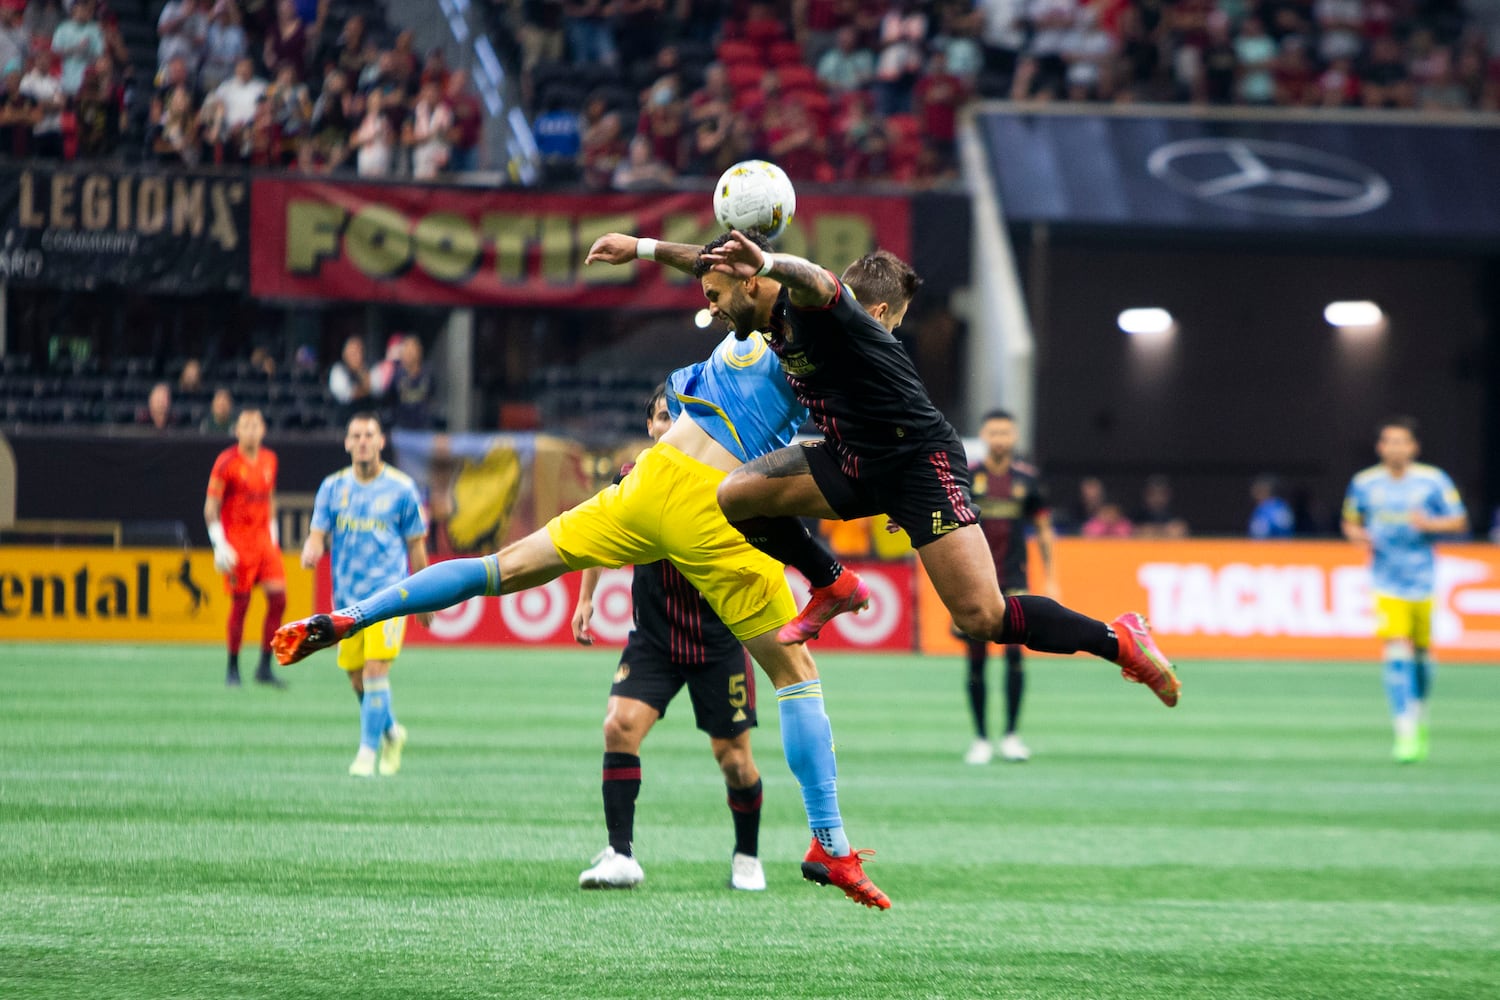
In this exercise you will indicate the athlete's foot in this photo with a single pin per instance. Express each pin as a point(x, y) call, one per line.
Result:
point(232, 679)
point(981, 751)
point(1140, 659)
point(269, 679)
point(391, 745)
point(612, 870)
point(299, 639)
point(847, 872)
point(847, 593)
point(746, 873)
point(364, 764)
point(1014, 749)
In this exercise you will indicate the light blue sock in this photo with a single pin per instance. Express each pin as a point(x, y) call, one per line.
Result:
point(373, 709)
point(1398, 685)
point(389, 722)
point(807, 740)
point(439, 586)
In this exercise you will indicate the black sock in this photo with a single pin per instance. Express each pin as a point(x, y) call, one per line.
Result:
point(234, 663)
point(788, 541)
point(744, 806)
point(263, 669)
point(1040, 623)
point(978, 693)
point(1015, 687)
point(622, 783)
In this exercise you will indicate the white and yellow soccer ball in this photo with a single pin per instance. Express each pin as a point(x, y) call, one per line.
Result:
point(755, 194)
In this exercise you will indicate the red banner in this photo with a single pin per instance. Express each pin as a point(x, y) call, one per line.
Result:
point(459, 246)
point(542, 616)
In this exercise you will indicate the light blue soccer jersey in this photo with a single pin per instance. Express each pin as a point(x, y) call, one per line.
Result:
point(1403, 564)
point(739, 397)
point(368, 526)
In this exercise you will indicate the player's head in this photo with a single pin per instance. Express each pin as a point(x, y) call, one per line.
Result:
point(658, 420)
point(884, 284)
point(743, 304)
point(250, 428)
point(1396, 442)
point(997, 429)
point(364, 438)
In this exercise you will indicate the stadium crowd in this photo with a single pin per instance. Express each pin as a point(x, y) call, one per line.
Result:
point(632, 93)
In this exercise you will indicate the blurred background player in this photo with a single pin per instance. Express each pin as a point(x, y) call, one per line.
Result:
point(1009, 496)
point(1396, 508)
point(372, 515)
point(677, 640)
point(240, 512)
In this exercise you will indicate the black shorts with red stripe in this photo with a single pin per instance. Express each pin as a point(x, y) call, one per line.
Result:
point(927, 493)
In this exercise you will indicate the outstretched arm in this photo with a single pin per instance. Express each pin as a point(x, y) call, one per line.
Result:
point(617, 248)
point(810, 285)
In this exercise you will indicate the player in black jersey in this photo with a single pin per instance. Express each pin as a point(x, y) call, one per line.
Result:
point(1010, 497)
point(887, 449)
point(677, 641)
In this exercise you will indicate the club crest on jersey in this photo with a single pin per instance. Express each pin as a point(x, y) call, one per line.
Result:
point(797, 364)
point(622, 672)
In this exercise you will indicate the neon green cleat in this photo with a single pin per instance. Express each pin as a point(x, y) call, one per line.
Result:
point(1422, 742)
point(391, 745)
point(1408, 749)
point(364, 764)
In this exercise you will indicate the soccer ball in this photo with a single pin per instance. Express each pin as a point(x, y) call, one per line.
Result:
point(755, 194)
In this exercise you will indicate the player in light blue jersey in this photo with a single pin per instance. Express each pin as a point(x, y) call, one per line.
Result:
point(372, 515)
point(1397, 509)
point(738, 397)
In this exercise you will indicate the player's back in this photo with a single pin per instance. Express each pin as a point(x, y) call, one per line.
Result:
point(369, 523)
point(245, 486)
point(739, 397)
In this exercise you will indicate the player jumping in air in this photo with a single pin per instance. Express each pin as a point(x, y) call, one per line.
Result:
point(372, 516)
point(1396, 508)
point(240, 512)
point(886, 449)
point(677, 641)
point(727, 410)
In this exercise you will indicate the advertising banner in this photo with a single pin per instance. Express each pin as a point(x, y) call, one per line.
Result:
point(98, 228)
point(127, 595)
point(454, 246)
point(1258, 600)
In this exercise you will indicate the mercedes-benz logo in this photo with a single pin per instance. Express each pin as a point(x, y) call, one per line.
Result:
point(1277, 178)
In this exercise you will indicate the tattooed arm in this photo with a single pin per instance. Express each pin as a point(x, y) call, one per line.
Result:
point(810, 284)
point(617, 248)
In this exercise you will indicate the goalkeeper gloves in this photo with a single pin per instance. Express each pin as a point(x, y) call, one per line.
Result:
point(225, 558)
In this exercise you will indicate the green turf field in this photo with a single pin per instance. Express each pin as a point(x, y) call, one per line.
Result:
point(163, 837)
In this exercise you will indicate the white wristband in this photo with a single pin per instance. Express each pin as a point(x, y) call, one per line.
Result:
point(765, 268)
point(645, 248)
point(216, 534)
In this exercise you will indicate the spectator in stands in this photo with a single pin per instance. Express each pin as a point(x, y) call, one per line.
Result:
point(1272, 516)
point(540, 35)
point(15, 40)
point(220, 416)
point(1002, 35)
point(190, 379)
point(411, 390)
point(468, 122)
point(956, 39)
point(175, 138)
point(98, 107)
point(349, 378)
point(240, 94)
point(1156, 518)
point(260, 143)
point(718, 141)
point(1296, 77)
point(374, 140)
point(939, 94)
point(428, 131)
point(347, 52)
point(263, 362)
point(213, 133)
point(17, 114)
point(286, 42)
point(183, 29)
point(1107, 522)
point(1255, 51)
point(44, 89)
point(1218, 82)
point(1384, 79)
point(903, 36)
point(602, 144)
point(846, 66)
point(158, 410)
point(332, 126)
point(1338, 86)
point(291, 110)
point(1340, 28)
point(43, 17)
point(637, 28)
point(224, 47)
point(403, 64)
point(641, 170)
point(863, 143)
point(1041, 72)
point(1090, 500)
point(78, 41)
point(792, 140)
point(663, 122)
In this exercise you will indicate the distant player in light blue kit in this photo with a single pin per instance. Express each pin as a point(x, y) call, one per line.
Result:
point(373, 515)
point(1397, 508)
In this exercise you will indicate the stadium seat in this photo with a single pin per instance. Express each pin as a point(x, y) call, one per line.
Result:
point(798, 77)
point(733, 53)
point(784, 53)
point(744, 79)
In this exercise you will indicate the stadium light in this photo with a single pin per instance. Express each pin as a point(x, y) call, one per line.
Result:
point(1150, 321)
point(1361, 315)
point(703, 319)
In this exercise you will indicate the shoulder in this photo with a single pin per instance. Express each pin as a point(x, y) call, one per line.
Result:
point(1025, 469)
point(401, 479)
point(1368, 477)
point(333, 478)
point(1431, 473)
point(743, 353)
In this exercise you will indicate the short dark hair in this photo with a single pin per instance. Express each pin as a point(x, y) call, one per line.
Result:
point(366, 415)
point(1401, 420)
point(997, 414)
point(702, 267)
point(881, 276)
point(658, 394)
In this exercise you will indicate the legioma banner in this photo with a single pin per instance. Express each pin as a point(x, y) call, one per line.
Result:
point(432, 245)
point(96, 228)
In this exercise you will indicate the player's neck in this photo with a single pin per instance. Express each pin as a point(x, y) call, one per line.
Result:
point(1397, 471)
point(366, 472)
point(250, 453)
point(997, 466)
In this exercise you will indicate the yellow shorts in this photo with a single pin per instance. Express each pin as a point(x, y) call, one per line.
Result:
point(668, 508)
point(1399, 618)
point(378, 642)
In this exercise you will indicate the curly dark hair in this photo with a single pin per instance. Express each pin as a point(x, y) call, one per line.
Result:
point(701, 266)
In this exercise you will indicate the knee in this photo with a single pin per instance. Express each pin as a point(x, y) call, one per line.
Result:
point(738, 766)
point(621, 733)
point(980, 620)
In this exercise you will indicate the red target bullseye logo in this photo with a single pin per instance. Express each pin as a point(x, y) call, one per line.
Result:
point(613, 615)
point(534, 615)
point(452, 624)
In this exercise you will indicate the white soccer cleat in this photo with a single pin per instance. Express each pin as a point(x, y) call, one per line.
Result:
point(364, 764)
point(746, 874)
point(1013, 749)
point(612, 870)
point(980, 752)
point(391, 745)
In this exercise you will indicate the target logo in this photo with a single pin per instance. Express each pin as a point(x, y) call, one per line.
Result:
point(452, 624)
point(614, 615)
point(876, 625)
point(535, 615)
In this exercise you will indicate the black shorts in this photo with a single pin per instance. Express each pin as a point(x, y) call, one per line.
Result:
point(928, 495)
point(722, 690)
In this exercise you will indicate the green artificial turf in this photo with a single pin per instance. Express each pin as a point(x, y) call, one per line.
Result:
point(161, 836)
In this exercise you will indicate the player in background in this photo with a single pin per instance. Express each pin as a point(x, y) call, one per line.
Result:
point(886, 450)
point(371, 514)
point(726, 410)
point(1009, 495)
point(240, 512)
point(677, 641)
point(1397, 509)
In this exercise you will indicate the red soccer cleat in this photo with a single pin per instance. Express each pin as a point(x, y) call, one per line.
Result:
point(296, 640)
point(847, 593)
point(1142, 661)
point(848, 873)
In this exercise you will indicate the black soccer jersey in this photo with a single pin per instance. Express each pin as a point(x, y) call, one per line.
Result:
point(1007, 503)
point(859, 384)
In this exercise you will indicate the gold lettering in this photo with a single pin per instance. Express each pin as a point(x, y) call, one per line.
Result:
point(123, 202)
point(590, 228)
point(447, 246)
point(558, 258)
point(312, 235)
point(839, 240)
point(187, 206)
point(94, 203)
point(30, 217)
point(511, 235)
point(377, 242)
point(151, 206)
point(61, 216)
point(223, 198)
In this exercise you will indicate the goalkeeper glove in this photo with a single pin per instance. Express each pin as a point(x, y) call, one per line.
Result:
point(225, 558)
